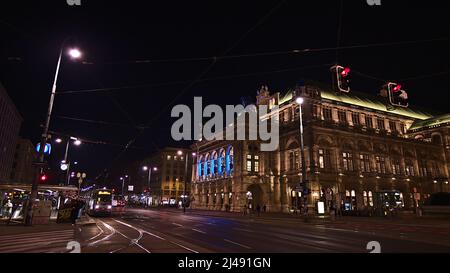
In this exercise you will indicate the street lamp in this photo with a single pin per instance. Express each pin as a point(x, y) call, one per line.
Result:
point(185, 179)
point(40, 163)
point(300, 102)
point(65, 163)
point(123, 181)
point(149, 169)
point(75, 53)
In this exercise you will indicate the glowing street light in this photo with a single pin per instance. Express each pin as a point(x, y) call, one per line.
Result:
point(75, 53)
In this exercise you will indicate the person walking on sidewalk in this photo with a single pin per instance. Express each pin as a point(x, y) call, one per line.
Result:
point(258, 209)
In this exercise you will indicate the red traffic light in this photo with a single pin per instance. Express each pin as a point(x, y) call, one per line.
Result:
point(345, 72)
point(43, 177)
point(397, 88)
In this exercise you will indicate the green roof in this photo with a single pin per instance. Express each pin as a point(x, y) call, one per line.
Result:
point(436, 121)
point(367, 101)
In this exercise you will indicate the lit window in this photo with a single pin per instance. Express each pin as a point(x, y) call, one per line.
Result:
point(353, 193)
point(256, 166)
point(347, 159)
point(169, 157)
point(175, 158)
point(249, 165)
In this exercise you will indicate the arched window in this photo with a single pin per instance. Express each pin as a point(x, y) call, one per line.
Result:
point(199, 167)
point(436, 139)
point(221, 162)
point(200, 171)
point(206, 166)
point(230, 160)
point(214, 167)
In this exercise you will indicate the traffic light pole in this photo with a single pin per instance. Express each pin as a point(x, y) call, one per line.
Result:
point(44, 136)
point(303, 178)
point(185, 180)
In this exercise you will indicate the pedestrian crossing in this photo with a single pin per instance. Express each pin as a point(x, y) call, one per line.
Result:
point(39, 242)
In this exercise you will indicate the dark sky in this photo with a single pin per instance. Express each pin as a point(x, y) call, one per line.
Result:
point(113, 35)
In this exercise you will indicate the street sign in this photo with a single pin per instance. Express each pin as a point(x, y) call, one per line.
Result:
point(47, 148)
point(130, 188)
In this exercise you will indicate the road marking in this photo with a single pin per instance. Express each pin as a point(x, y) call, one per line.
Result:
point(100, 233)
point(177, 224)
point(187, 248)
point(194, 229)
point(244, 246)
point(133, 241)
point(154, 235)
point(113, 231)
point(246, 230)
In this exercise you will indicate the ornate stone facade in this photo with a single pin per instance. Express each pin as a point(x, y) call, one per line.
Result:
point(356, 147)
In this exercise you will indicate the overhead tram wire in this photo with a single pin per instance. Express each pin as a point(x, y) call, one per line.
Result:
point(276, 53)
point(99, 122)
point(339, 30)
point(204, 72)
point(86, 91)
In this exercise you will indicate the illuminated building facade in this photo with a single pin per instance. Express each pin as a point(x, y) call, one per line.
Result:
point(356, 148)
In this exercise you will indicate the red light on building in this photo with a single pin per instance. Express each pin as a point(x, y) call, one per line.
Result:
point(397, 88)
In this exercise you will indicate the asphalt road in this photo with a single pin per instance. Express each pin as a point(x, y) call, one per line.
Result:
point(169, 231)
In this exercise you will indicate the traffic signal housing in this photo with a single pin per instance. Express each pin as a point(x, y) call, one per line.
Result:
point(341, 78)
point(43, 178)
point(396, 95)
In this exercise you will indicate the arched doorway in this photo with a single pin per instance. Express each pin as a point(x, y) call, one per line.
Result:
point(255, 196)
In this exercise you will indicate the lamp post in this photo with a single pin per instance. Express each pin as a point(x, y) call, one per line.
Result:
point(123, 181)
point(65, 162)
point(303, 179)
point(185, 178)
point(149, 169)
point(75, 54)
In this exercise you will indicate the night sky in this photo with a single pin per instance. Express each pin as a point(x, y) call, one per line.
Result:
point(164, 46)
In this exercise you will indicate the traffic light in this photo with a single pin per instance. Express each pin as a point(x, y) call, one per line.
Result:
point(397, 96)
point(341, 78)
point(43, 178)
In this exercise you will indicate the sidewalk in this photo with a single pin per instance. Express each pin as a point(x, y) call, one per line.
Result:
point(19, 228)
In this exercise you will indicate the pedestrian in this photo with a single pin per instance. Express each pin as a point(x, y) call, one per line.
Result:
point(9, 208)
point(74, 211)
point(245, 210)
point(264, 208)
point(258, 209)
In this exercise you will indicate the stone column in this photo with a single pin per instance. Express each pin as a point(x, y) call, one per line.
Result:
point(283, 195)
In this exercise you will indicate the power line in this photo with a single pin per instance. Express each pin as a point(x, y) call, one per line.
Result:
point(202, 74)
point(98, 122)
point(91, 141)
point(276, 53)
point(425, 76)
point(188, 81)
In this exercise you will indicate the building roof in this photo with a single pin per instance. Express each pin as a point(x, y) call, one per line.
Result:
point(365, 100)
point(431, 122)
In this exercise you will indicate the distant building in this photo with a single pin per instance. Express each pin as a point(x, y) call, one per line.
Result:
point(10, 121)
point(167, 182)
point(22, 169)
